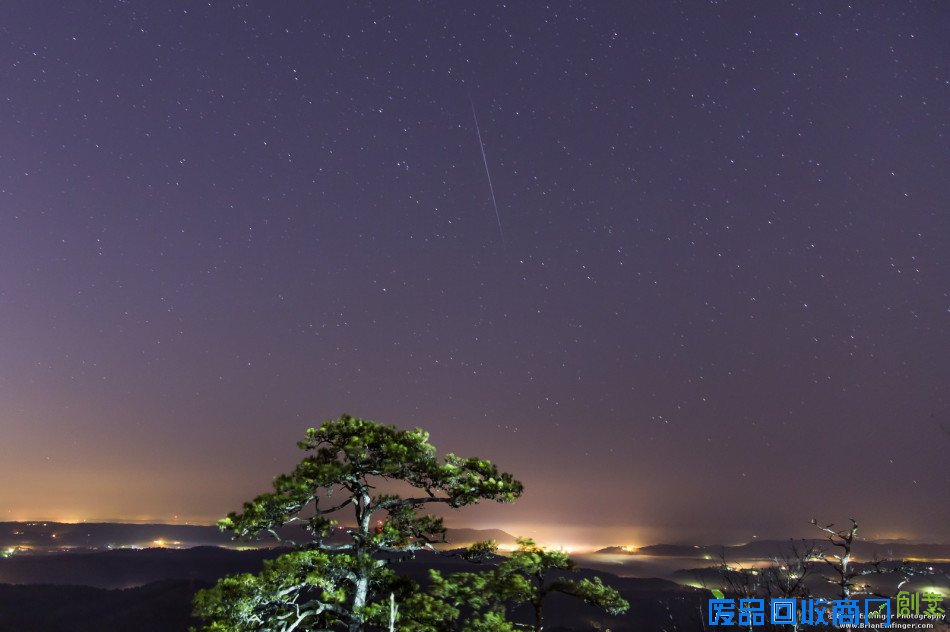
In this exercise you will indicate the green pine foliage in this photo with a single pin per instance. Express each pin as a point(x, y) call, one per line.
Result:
point(527, 578)
point(333, 585)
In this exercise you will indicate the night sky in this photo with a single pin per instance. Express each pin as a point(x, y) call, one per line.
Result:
point(714, 302)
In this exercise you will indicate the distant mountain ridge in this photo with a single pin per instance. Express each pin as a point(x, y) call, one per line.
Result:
point(51, 536)
point(863, 549)
point(57, 536)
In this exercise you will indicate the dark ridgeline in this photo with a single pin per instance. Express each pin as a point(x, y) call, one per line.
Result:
point(157, 607)
point(765, 549)
point(57, 536)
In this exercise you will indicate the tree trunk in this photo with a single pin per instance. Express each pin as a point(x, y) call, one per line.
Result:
point(538, 616)
point(392, 612)
point(845, 562)
point(359, 601)
point(361, 591)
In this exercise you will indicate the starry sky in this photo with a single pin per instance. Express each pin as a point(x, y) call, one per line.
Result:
point(714, 301)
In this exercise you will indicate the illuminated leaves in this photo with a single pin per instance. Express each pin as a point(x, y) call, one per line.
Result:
point(525, 579)
point(329, 584)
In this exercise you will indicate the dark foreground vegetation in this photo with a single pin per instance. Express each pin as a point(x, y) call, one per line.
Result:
point(158, 607)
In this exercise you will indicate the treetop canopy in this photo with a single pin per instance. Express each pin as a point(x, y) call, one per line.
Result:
point(346, 455)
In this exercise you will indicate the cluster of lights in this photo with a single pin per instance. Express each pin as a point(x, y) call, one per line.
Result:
point(940, 590)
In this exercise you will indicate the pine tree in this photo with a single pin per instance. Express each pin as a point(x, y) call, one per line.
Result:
point(328, 584)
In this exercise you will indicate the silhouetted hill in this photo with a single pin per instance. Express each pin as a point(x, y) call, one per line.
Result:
point(126, 568)
point(159, 607)
point(764, 549)
point(669, 550)
point(59, 536)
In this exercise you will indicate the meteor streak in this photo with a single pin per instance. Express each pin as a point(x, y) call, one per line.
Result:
point(491, 188)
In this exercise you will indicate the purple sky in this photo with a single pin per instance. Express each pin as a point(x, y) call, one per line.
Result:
point(720, 307)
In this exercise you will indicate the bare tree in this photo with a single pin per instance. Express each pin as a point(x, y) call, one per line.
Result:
point(785, 578)
point(844, 572)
